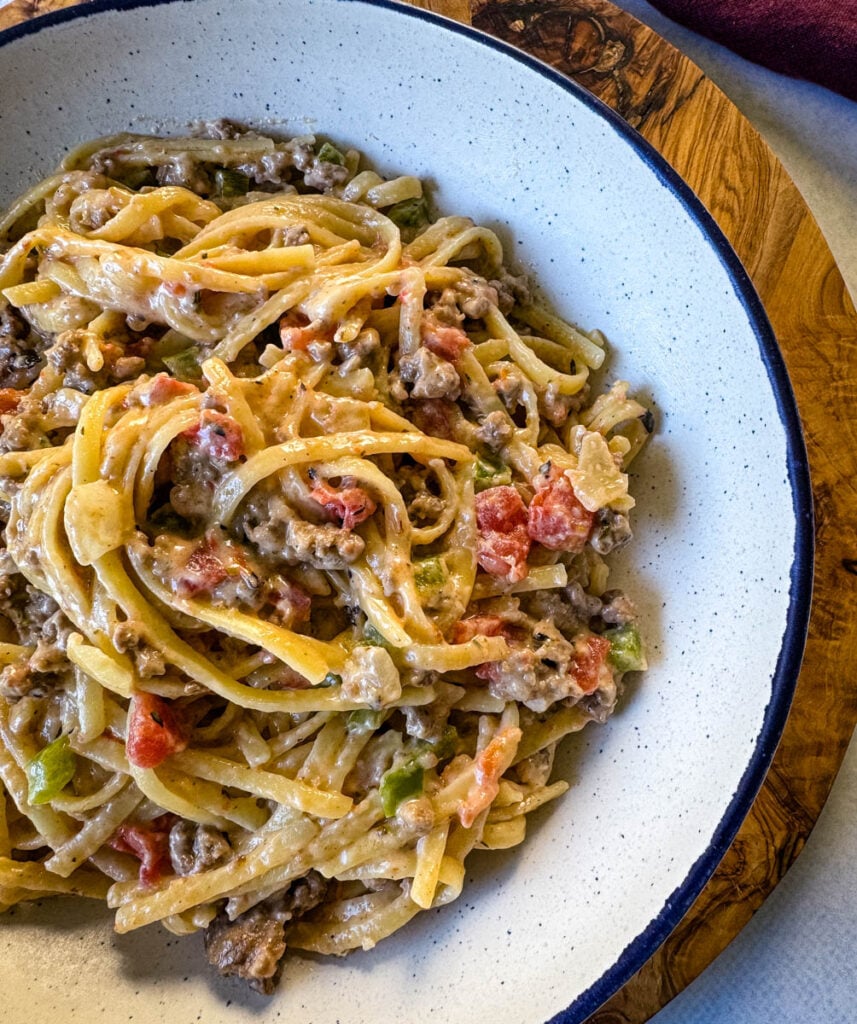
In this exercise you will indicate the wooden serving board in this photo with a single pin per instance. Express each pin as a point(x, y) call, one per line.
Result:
point(700, 132)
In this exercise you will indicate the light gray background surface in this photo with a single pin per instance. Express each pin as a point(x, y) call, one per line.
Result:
point(796, 962)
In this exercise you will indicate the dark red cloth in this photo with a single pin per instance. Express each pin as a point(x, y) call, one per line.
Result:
point(812, 39)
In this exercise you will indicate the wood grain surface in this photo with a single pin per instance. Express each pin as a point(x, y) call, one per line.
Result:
point(669, 100)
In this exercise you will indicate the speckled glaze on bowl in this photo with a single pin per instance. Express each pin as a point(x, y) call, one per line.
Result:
point(721, 563)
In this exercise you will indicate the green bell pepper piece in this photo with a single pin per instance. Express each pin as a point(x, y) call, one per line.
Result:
point(50, 771)
point(400, 784)
point(490, 472)
point(331, 155)
point(445, 747)
point(626, 648)
point(363, 720)
point(431, 753)
point(409, 213)
point(372, 637)
point(231, 183)
point(429, 573)
point(184, 365)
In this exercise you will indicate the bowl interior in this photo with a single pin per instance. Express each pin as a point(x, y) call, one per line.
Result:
point(719, 562)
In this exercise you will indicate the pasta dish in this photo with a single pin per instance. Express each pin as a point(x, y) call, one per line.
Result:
point(305, 501)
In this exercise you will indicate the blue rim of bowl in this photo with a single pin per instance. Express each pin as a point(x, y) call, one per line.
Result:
point(638, 951)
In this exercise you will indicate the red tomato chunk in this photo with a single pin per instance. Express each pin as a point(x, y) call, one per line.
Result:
point(477, 625)
point(350, 505)
point(155, 731)
point(297, 333)
point(292, 604)
point(164, 388)
point(556, 518)
point(150, 844)
point(435, 416)
point(212, 560)
point(202, 572)
point(590, 654)
point(504, 543)
point(9, 399)
point(443, 340)
point(218, 435)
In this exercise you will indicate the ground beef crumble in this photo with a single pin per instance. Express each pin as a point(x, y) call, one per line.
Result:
point(253, 945)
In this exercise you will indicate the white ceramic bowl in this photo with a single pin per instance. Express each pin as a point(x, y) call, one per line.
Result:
point(722, 559)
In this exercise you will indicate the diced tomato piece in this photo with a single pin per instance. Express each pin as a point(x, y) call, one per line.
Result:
point(291, 602)
point(296, 339)
point(297, 333)
point(590, 656)
point(150, 844)
point(489, 671)
point(213, 560)
point(491, 763)
point(477, 625)
point(163, 388)
point(141, 346)
point(498, 508)
point(201, 573)
point(351, 505)
point(556, 518)
point(9, 399)
point(492, 671)
point(155, 730)
point(445, 341)
point(218, 435)
point(504, 543)
point(434, 416)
